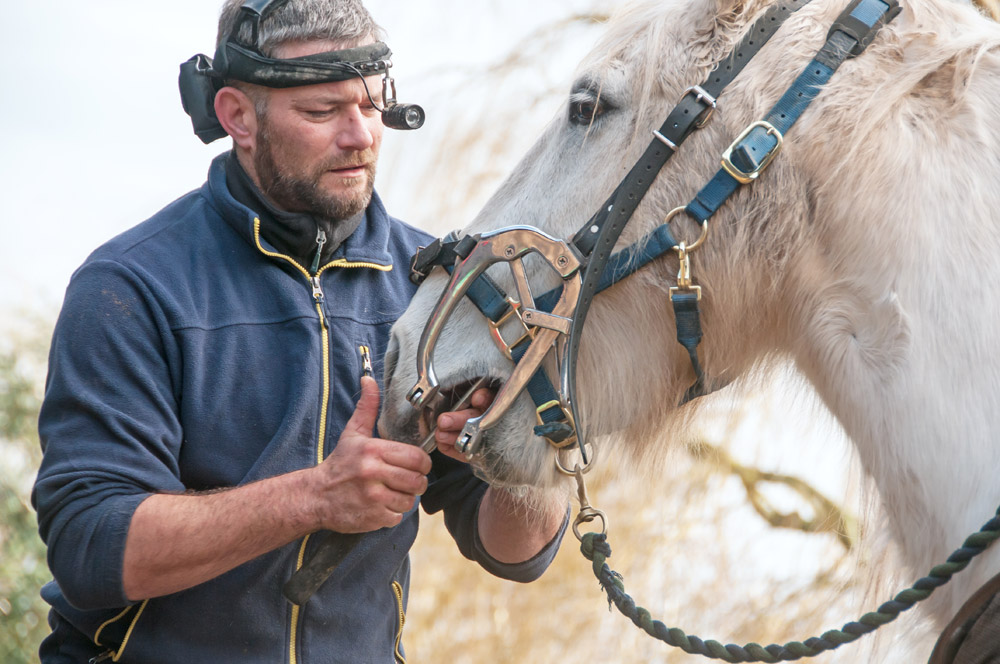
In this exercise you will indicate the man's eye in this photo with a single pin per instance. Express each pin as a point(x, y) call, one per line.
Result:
point(584, 112)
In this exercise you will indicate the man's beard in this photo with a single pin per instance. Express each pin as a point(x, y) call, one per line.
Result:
point(301, 192)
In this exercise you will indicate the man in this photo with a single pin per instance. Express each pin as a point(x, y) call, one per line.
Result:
point(202, 414)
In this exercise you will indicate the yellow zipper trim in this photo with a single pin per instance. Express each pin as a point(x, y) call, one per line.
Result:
point(292, 648)
point(97, 634)
point(256, 238)
point(341, 262)
point(128, 633)
point(398, 591)
point(326, 385)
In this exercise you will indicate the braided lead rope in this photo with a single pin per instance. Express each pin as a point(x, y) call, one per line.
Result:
point(595, 548)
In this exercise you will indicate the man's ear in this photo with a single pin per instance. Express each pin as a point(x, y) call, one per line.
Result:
point(238, 116)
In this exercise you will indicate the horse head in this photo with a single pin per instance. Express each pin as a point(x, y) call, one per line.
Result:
point(631, 372)
point(844, 257)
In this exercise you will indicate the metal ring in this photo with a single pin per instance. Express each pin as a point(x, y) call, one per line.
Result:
point(586, 516)
point(704, 226)
point(592, 459)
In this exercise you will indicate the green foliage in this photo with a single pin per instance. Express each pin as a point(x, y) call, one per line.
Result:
point(23, 569)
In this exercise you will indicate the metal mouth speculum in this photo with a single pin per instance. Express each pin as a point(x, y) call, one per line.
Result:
point(544, 330)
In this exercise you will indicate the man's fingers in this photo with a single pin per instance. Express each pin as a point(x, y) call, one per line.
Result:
point(455, 420)
point(482, 398)
point(452, 423)
point(408, 457)
point(412, 483)
point(366, 412)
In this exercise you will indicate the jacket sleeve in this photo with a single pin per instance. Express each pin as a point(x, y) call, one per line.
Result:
point(109, 429)
point(454, 489)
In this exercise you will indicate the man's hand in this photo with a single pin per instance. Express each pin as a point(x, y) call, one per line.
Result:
point(449, 425)
point(369, 483)
point(511, 529)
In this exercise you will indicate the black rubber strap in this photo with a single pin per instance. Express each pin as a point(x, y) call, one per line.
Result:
point(330, 552)
point(680, 123)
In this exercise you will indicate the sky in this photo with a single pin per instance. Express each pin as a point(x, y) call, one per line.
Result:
point(94, 138)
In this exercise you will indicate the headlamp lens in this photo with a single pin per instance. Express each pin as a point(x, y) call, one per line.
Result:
point(403, 116)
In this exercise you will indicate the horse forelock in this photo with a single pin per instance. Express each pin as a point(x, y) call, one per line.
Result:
point(666, 47)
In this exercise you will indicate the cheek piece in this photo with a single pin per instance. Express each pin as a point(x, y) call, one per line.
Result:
point(202, 77)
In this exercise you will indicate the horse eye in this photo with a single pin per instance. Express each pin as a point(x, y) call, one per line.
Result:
point(584, 112)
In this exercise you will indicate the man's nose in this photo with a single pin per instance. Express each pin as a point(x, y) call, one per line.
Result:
point(356, 134)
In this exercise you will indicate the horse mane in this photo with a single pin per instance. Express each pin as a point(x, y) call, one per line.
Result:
point(950, 41)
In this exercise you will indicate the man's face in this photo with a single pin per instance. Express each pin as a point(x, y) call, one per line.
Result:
point(317, 145)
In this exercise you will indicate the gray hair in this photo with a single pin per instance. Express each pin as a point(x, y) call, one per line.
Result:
point(344, 21)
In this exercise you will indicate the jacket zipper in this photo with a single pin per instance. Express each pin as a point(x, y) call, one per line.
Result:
point(319, 299)
point(398, 591)
point(110, 653)
point(366, 361)
point(320, 242)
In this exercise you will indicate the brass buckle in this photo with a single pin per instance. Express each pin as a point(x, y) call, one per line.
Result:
point(684, 284)
point(567, 415)
point(515, 310)
point(744, 177)
point(702, 96)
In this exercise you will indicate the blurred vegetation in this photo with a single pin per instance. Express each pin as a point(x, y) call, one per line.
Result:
point(23, 569)
point(989, 7)
point(826, 515)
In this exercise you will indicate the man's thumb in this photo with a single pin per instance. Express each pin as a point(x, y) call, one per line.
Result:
point(366, 412)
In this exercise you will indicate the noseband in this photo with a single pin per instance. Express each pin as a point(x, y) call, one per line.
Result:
point(552, 323)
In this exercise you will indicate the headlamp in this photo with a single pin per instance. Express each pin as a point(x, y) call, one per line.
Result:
point(202, 77)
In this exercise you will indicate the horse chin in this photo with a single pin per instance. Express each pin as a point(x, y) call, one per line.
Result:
point(510, 455)
point(514, 459)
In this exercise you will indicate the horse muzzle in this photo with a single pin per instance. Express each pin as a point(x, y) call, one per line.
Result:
point(539, 331)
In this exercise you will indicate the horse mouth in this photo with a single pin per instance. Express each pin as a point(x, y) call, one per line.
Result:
point(451, 398)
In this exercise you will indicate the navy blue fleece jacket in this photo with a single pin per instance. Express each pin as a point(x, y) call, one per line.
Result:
point(190, 356)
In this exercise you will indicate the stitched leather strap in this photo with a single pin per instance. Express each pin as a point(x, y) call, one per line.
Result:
point(953, 636)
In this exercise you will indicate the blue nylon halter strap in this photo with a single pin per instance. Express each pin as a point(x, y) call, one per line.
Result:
point(758, 145)
point(742, 164)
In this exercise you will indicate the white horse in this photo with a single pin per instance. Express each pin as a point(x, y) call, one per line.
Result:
point(866, 254)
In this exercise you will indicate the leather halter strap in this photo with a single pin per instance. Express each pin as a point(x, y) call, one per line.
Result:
point(955, 634)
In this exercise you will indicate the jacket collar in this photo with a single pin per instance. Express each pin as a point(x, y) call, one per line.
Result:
point(368, 244)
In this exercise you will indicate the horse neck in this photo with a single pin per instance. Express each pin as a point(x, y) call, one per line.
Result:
point(881, 290)
point(891, 312)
